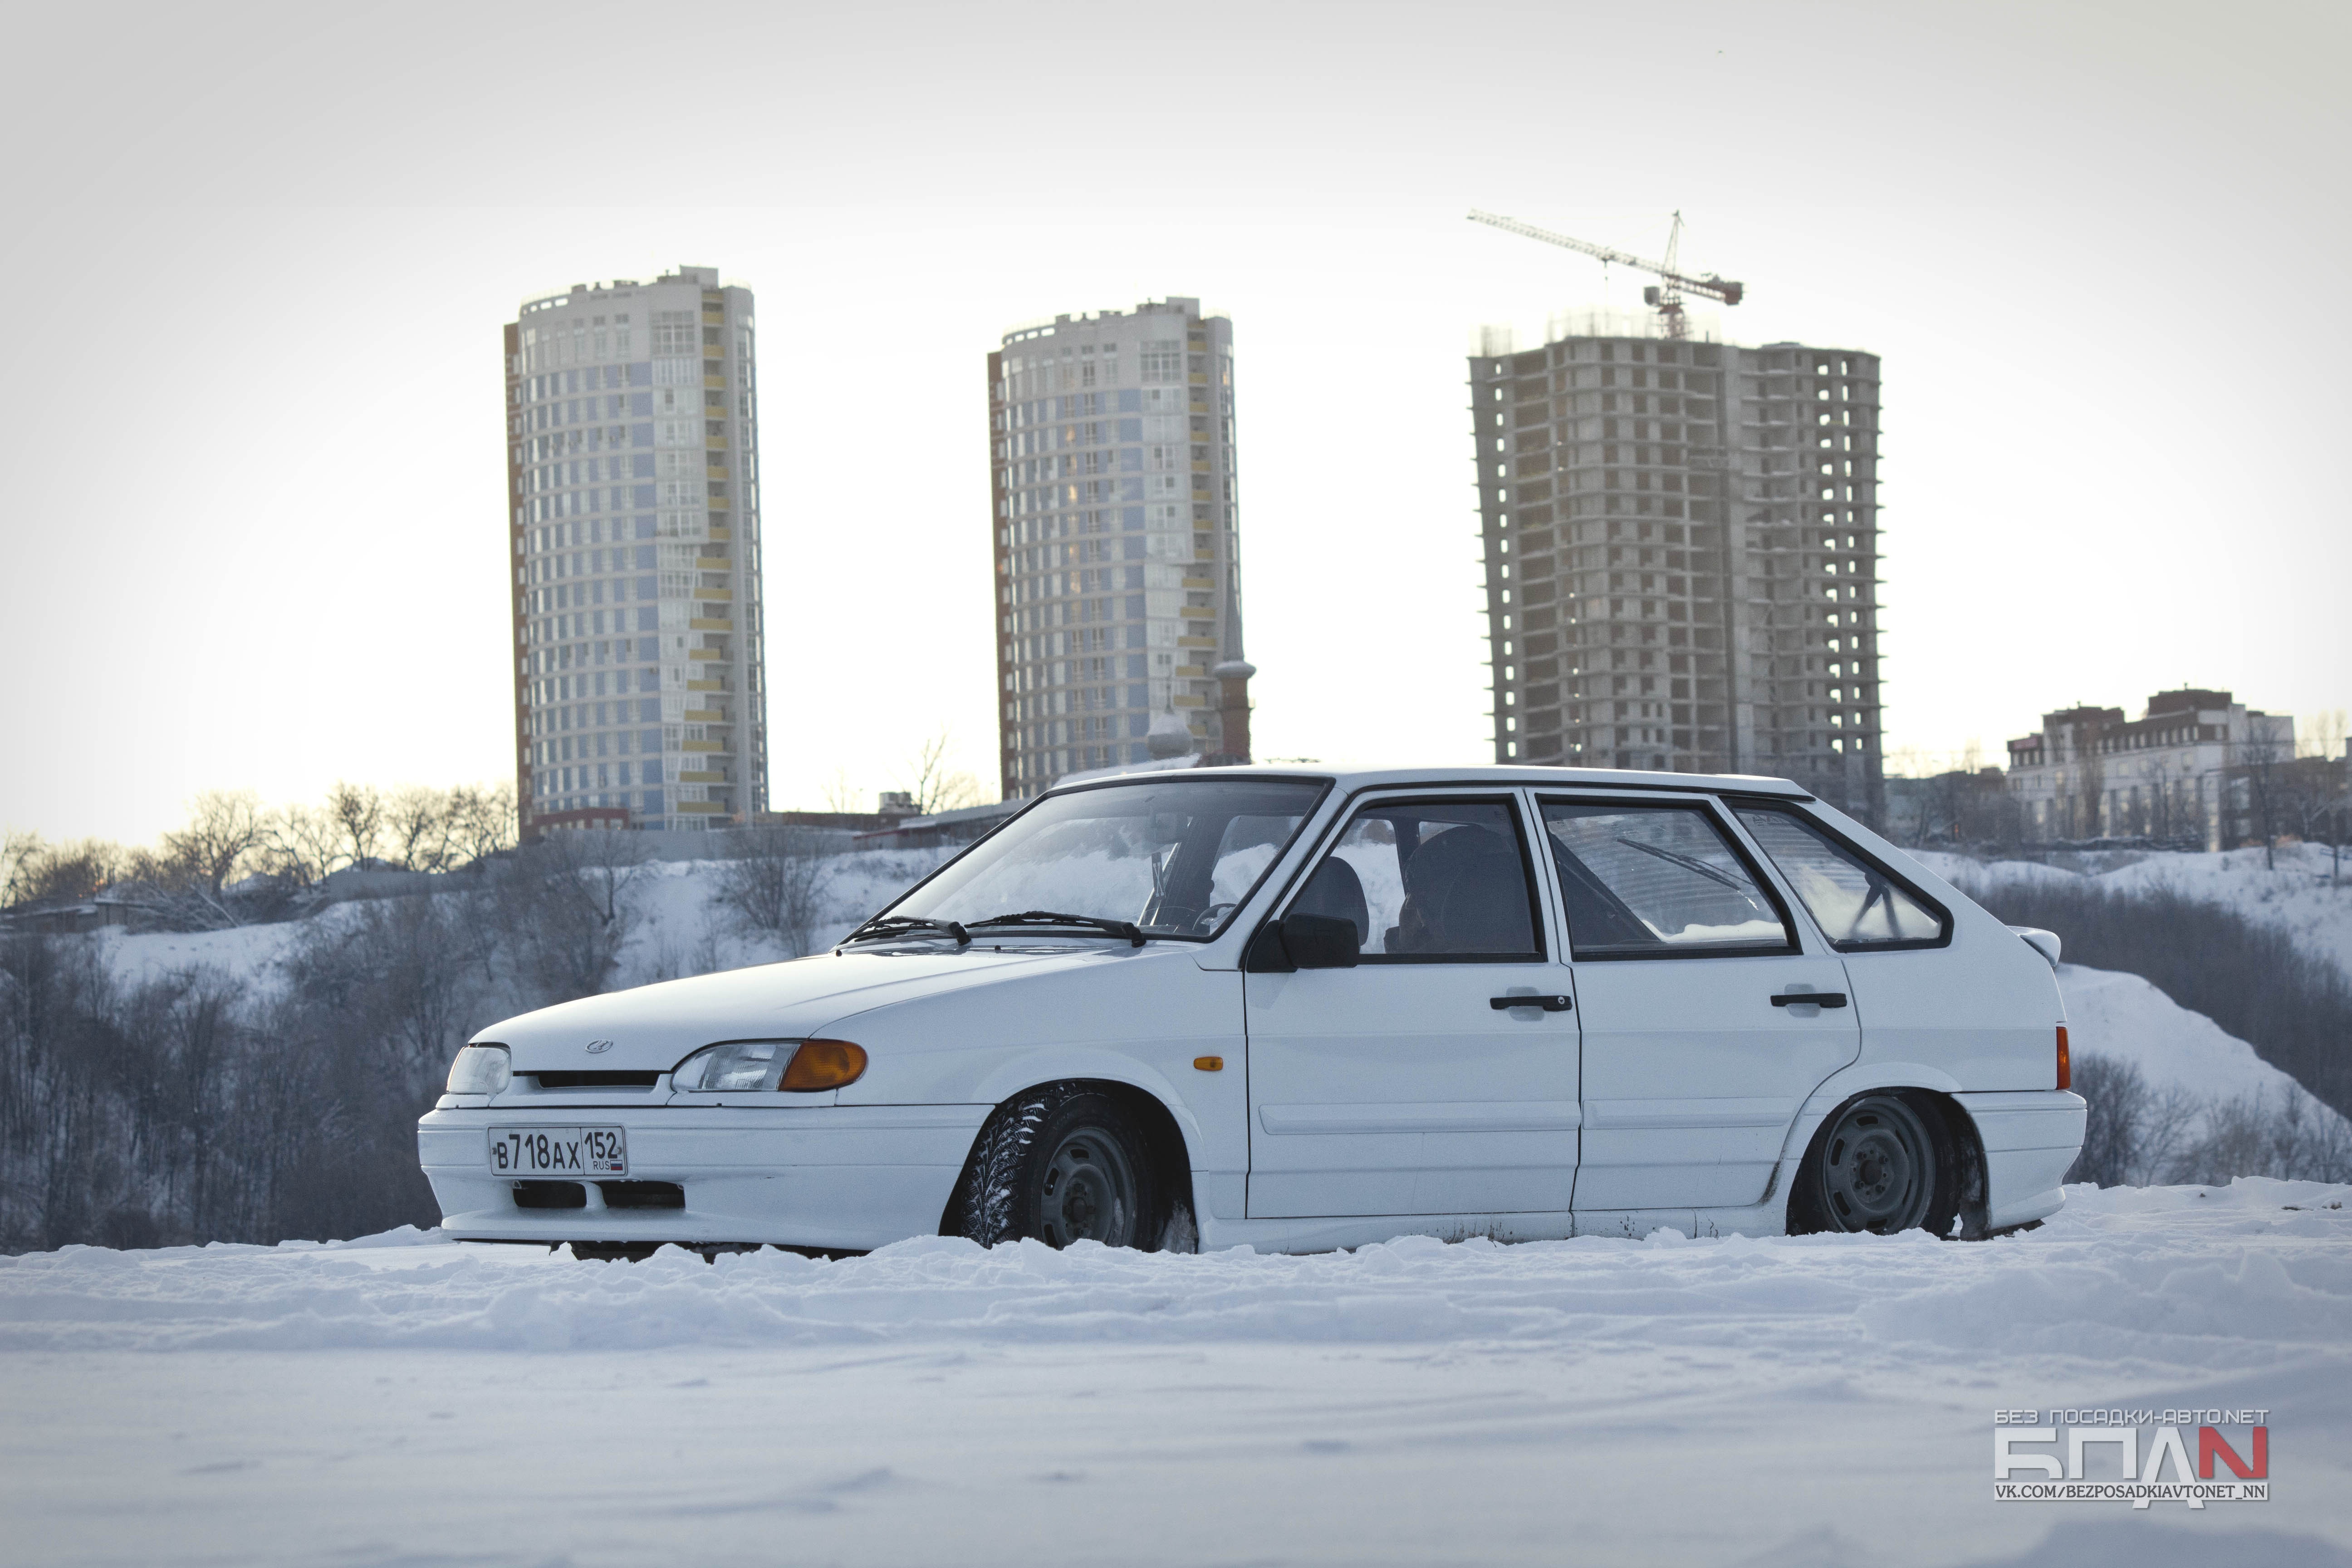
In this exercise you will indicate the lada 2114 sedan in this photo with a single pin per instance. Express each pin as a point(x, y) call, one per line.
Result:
point(1307, 1009)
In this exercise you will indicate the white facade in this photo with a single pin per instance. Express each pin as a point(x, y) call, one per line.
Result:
point(2091, 773)
point(1117, 537)
point(640, 691)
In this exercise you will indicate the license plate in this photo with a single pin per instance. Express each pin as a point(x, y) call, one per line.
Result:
point(559, 1152)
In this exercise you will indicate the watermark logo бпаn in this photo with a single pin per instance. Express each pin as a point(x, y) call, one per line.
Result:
point(2061, 1446)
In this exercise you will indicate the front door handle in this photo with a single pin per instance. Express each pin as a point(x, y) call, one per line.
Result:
point(1549, 1004)
point(1810, 999)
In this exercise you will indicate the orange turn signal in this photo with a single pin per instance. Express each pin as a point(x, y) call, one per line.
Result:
point(1209, 1064)
point(2066, 1061)
point(824, 1064)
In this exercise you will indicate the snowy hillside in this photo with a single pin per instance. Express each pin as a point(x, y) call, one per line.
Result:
point(2123, 1016)
point(2295, 897)
point(1817, 1403)
point(678, 931)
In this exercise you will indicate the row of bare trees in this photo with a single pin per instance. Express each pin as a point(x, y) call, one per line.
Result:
point(282, 1100)
point(200, 874)
point(2139, 1135)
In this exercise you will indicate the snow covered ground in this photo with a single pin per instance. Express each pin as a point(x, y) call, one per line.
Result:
point(1785, 1403)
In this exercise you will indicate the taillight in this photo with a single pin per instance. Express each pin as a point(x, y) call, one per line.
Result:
point(2066, 1061)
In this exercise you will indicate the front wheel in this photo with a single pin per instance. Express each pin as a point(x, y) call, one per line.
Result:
point(1875, 1168)
point(1061, 1164)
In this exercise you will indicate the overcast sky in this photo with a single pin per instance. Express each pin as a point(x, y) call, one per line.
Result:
point(259, 257)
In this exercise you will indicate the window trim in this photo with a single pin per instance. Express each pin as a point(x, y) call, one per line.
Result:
point(1708, 807)
point(1840, 841)
point(1506, 795)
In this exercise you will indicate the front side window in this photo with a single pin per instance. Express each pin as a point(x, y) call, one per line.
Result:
point(1657, 882)
point(1174, 858)
point(1857, 904)
point(1430, 882)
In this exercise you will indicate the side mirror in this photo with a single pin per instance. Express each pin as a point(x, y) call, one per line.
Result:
point(1321, 942)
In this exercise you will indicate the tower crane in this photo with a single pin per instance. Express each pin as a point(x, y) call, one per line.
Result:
point(1666, 294)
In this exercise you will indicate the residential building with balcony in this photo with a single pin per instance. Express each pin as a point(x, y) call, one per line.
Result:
point(1115, 523)
point(633, 525)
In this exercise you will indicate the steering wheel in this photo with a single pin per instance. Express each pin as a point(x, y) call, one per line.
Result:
point(1208, 918)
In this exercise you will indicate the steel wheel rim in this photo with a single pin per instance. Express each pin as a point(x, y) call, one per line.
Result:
point(1876, 1169)
point(1088, 1192)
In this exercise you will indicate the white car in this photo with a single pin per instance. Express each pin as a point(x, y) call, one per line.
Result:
point(1307, 1009)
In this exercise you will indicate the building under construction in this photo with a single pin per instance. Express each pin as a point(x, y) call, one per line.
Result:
point(1681, 548)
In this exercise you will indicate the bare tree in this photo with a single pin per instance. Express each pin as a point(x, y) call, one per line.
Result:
point(2321, 736)
point(2091, 768)
point(416, 828)
point(841, 795)
point(303, 846)
point(2134, 1132)
point(777, 888)
point(75, 869)
point(20, 857)
point(358, 814)
point(564, 907)
point(2260, 757)
point(936, 786)
point(481, 821)
point(224, 828)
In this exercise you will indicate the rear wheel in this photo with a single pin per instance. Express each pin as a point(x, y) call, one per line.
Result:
point(1061, 1164)
point(1875, 1168)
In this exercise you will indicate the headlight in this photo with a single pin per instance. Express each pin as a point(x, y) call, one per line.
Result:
point(752, 1067)
point(481, 1070)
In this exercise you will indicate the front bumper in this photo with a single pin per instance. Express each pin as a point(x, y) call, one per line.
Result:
point(848, 1176)
point(2031, 1140)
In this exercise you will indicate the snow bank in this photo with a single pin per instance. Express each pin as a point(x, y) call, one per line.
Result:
point(2118, 1272)
point(2122, 1015)
point(1809, 1403)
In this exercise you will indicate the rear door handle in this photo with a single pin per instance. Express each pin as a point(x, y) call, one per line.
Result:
point(1810, 999)
point(1549, 1004)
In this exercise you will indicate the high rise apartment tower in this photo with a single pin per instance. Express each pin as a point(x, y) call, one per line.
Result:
point(1118, 542)
point(633, 508)
point(1681, 547)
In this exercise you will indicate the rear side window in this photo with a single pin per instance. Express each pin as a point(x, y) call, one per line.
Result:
point(1861, 906)
point(1657, 882)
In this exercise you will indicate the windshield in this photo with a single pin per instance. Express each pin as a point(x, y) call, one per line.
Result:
point(1174, 857)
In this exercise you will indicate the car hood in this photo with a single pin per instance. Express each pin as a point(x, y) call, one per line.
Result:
point(655, 1026)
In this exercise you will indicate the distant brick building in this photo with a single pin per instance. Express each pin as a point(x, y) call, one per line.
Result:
point(2172, 774)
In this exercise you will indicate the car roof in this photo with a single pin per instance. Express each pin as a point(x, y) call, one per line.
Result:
point(1353, 777)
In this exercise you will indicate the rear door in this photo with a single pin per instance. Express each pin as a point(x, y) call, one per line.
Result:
point(1690, 975)
point(1399, 1087)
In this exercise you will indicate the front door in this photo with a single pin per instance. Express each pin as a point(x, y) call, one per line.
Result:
point(1400, 1086)
point(1699, 1048)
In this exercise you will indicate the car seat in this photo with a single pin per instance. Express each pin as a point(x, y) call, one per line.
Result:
point(1336, 891)
point(1466, 892)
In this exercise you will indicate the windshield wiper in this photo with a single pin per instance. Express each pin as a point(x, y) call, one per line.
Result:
point(1127, 929)
point(1685, 862)
point(901, 925)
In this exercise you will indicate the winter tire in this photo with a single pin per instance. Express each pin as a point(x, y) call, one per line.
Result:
point(1877, 1166)
point(1061, 1164)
